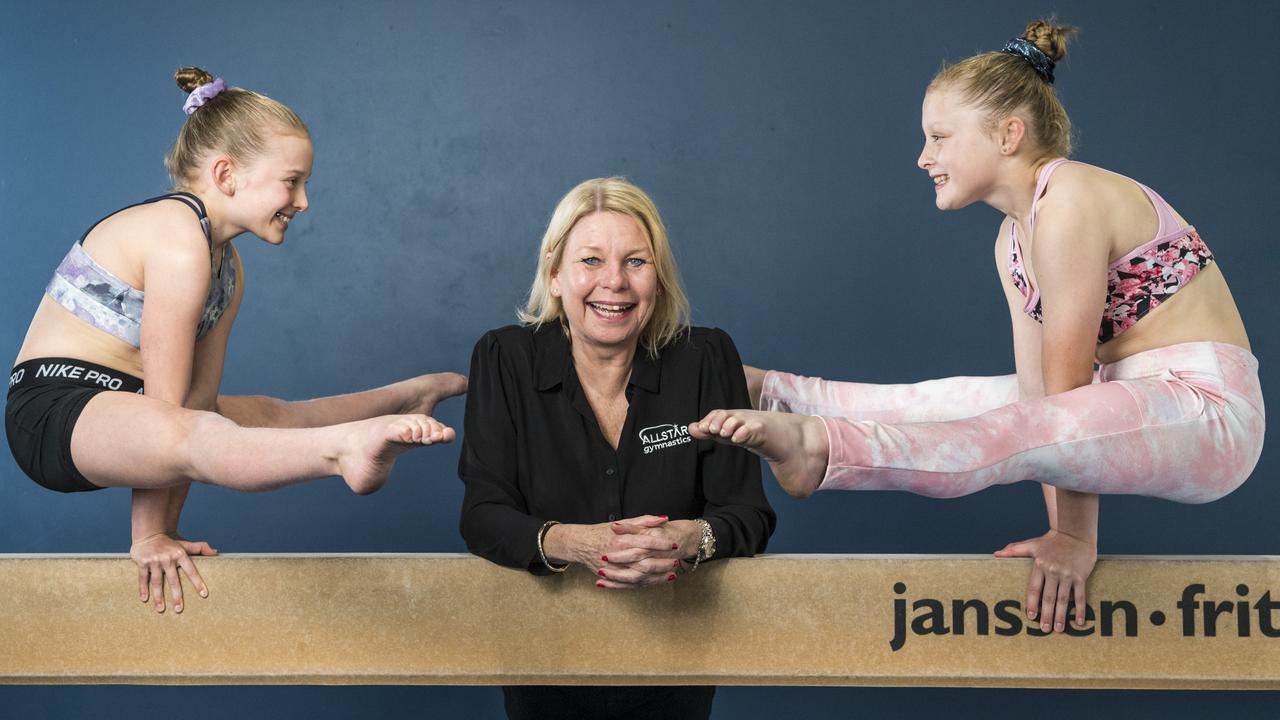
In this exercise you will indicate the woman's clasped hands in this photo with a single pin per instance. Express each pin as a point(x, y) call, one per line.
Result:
point(629, 553)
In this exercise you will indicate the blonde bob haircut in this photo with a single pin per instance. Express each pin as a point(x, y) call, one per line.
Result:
point(671, 314)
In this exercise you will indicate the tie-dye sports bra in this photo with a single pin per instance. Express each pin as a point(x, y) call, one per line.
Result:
point(108, 303)
point(1136, 283)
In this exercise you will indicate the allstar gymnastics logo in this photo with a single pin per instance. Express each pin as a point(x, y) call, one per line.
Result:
point(661, 437)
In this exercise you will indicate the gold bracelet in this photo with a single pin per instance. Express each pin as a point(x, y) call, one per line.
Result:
point(706, 543)
point(542, 554)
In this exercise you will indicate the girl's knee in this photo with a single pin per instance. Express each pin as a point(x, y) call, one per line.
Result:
point(190, 432)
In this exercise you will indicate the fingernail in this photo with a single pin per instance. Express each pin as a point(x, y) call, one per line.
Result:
point(604, 558)
point(204, 593)
point(1058, 627)
point(675, 563)
point(599, 584)
point(671, 577)
point(1031, 614)
point(177, 608)
point(600, 572)
point(675, 546)
point(664, 517)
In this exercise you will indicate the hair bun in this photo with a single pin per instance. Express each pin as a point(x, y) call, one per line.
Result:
point(1051, 39)
point(190, 78)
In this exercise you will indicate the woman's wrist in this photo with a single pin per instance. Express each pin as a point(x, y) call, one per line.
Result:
point(558, 543)
point(689, 536)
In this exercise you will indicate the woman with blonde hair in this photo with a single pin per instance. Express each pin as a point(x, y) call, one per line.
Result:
point(575, 448)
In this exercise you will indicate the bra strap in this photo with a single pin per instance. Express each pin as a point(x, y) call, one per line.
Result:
point(1043, 182)
point(186, 198)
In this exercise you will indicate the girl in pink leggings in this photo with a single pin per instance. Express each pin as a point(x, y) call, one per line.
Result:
point(1094, 266)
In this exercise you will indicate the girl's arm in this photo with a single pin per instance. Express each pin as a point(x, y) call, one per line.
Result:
point(210, 354)
point(1027, 340)
point(176, 281)
point(1027, 334)
point(1069, 256)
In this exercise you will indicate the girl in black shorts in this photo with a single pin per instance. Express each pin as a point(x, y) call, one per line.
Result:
point(109, 391)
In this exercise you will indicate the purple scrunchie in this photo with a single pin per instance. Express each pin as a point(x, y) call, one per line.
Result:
point(202, 95)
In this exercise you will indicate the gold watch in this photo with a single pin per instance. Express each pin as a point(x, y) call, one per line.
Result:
point(707, 545)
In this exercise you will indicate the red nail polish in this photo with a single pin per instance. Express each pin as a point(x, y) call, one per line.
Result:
point(664, 517)
point(604, 558)
point(600, 572)
point(671, 577)
point(675, 546)
point(599, 584)
point(675, 563)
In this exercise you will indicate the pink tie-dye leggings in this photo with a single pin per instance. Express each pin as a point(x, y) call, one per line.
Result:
point(1184, 423)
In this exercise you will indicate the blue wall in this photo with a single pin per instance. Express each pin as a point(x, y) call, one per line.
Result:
point(779, 140)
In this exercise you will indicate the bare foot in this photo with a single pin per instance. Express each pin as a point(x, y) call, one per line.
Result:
point(795, 445)
point(426, 391)
point(755, 384)
point(370, 449)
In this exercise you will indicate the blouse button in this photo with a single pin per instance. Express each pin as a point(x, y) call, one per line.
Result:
point(609, 471)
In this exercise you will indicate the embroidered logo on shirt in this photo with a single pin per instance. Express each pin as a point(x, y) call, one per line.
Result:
point(661, 437)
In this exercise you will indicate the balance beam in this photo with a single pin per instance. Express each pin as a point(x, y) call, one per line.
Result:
point(883, 620)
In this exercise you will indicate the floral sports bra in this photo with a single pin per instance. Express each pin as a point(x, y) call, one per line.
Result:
point(1136, 283)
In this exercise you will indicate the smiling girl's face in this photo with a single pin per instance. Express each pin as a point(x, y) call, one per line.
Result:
point(271, 189)
point(961, 151)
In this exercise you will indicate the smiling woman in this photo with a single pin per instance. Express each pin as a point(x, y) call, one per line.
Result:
point(615, 212)
point(576, 448)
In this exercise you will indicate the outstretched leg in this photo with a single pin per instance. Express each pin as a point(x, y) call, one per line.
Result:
point(128, 440)
point(1184, 436)
point(795, 446)
point(952, 398)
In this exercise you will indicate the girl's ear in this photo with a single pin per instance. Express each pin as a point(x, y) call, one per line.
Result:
point(1011, 132)
point(223, 174)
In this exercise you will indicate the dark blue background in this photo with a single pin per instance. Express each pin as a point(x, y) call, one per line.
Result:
point(779, 141)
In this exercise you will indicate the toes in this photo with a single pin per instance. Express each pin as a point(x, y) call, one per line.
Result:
point(714, 420)
point(730, 426)
point(422, 430)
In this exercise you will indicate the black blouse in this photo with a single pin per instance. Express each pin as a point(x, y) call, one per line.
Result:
point(532, 450)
